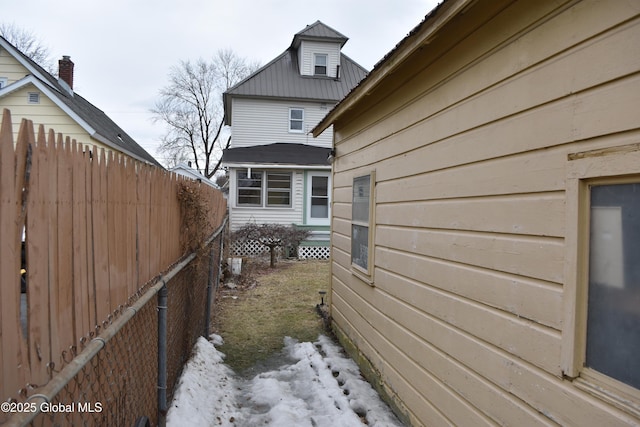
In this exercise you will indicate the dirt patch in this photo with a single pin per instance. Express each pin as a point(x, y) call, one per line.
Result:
point(265, 306)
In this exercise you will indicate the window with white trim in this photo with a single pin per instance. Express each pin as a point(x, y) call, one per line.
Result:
point(362, 223)
point(253, 184)
point(279, 189)
point(320, 64)
point(296, 120)
point(249, 187)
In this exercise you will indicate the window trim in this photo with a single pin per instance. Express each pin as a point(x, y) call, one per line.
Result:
point(4, 81)
point(264, 188)
point(238, 188)
point(279, 190)
point(309, 196)
point(616, 165)
point(363, 274)
point(315, 64)
point(301, 130)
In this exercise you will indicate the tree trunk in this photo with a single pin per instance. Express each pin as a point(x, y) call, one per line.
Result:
point(272, 253)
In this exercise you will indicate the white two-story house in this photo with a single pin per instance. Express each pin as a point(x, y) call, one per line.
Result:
point(279, 173)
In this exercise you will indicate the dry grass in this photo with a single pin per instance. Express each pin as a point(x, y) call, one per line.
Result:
point(254, 319)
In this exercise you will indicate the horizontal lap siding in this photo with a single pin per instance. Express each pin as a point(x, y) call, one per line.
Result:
point(240, 216)
point(470, 157)
point(266, 121)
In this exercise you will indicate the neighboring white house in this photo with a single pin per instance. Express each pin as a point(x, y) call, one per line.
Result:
point(186, 170)
point(278, 173)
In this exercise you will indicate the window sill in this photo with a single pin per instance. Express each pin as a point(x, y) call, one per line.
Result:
point(264, 207)
point(619, 395)
point(362, 275)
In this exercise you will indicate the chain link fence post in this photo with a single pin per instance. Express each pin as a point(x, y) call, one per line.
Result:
point(162, 355)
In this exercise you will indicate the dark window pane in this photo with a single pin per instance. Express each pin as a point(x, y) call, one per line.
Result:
point(613, 317)
point(360, 246)
point(249, 197)
point(275, 198)
point(249, 188)
point(279, 181)
point(319, 185)
point(295, 114)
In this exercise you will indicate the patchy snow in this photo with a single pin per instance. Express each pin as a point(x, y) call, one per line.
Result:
point(320, 387)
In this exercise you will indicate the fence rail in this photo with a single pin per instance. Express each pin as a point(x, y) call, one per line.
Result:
point(94, 231)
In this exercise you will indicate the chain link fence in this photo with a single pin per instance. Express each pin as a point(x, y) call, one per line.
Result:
point(125, 375)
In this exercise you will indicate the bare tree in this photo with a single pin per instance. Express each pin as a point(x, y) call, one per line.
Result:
point(29, 44)
point(191, 107)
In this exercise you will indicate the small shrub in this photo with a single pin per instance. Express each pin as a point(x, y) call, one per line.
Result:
point(271, 236)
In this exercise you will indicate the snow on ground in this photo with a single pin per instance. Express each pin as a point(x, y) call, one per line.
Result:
point(320, 387)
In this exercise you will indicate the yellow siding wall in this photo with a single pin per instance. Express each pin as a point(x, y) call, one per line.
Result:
point(469, 143)
point(46, 112)
point(11, 68)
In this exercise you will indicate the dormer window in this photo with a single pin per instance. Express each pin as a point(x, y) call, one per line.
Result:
point(320, 64)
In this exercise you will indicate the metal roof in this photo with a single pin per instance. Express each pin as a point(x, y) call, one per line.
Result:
point(317, 31)
point(281, 77)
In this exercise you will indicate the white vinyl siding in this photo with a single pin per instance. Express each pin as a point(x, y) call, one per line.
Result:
point(309, 49)
point(260, 121)
point(240, 215)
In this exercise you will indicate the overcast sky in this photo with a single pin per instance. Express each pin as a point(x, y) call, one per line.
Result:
point(123, 49)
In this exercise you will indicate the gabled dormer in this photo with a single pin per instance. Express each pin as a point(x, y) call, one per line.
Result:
point(318, 50)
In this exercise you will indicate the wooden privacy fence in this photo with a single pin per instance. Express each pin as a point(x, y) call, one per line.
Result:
point(96, 227)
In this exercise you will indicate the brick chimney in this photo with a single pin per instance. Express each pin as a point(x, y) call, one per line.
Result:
point(65, 70)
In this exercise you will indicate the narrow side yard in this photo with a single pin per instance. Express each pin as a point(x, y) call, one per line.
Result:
point(253, 313)
point(271, 362)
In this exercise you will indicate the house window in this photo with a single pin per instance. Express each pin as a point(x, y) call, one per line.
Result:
point(601, 321)
point(249, 188)
point(3, 82)
point(33, 98)
point(318, 204)
point(296, 119)
point(320, 64)
point(613, 302)
point(252, 184)
point(319, 197)
point(278, 189)
point(361, 223)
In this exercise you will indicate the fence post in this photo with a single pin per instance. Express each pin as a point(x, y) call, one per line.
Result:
point(214, 277)
point(162, 355)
